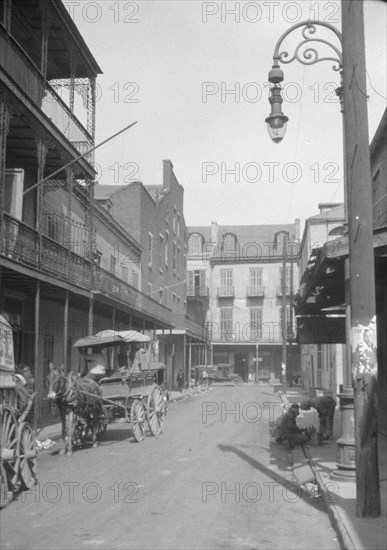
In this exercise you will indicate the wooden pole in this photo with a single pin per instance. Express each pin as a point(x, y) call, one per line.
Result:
point(284, 301)
point(361, 259)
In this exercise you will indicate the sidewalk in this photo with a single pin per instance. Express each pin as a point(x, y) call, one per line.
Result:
point(53, 432)
point(340, 495)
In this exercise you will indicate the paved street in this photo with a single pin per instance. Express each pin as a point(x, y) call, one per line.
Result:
point(211, 480)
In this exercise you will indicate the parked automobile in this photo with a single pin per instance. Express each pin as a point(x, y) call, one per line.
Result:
point(223, 372)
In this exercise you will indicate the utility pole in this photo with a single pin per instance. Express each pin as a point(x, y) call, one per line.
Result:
point(361, 259)
point(283, 320)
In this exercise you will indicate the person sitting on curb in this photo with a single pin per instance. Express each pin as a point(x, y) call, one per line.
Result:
point(325, 406)
point(287, 432)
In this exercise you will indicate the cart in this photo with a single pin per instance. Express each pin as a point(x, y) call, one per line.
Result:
point(134, 387)
point(17, 439)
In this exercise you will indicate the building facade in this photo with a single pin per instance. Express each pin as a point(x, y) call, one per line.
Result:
point(320, 301)
point(153, 214)
point(237, 276)
point(67, 267)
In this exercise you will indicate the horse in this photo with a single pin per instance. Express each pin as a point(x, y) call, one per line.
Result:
point(79, 399)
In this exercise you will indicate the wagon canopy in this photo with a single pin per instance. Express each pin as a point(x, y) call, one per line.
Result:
point(109, 337)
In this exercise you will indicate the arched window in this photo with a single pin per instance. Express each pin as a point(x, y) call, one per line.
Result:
point(195, 244)
point(229, 242)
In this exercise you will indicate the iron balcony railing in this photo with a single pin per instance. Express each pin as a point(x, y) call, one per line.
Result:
point(226, 291)
point(197, 291)
point(256, 290)
point(23, 244)
point(116, 289)
point(18, 65)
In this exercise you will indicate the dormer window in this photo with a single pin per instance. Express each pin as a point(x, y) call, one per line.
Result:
point(195, 244)
point(229, 242)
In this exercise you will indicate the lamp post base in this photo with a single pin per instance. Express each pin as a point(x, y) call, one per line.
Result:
point(346, 449)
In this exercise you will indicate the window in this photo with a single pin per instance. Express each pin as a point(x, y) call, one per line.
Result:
point(174, 255)
point(287, 320)
point(255, 323)
point(178, 225)
point(161, 251)
point(256, 277)
point(174, 219)
point(196, 282)
point(229, 242)
point(150, 249)
point(166, 248)
point(226, 325)
point(226, 278)
point(195, 244)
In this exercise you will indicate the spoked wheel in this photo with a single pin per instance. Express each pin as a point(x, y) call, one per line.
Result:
point(6, 495)
point(8, 443)
point(155, 410)
point(138, 417)
point(27, 456)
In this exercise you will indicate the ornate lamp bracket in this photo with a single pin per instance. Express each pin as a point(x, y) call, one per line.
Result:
point(309, 55)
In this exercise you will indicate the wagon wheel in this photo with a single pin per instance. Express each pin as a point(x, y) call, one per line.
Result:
point(8, 443)
point(137, 417)
point(6, 495)
point(155, 410)
point(27, 456)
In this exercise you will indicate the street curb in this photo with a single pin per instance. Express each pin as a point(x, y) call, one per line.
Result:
point(336, 515)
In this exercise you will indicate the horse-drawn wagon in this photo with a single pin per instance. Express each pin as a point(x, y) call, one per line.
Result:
point(131, 389)
point(17, 439)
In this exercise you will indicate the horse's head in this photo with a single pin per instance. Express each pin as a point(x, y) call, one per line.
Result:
point(56, 382)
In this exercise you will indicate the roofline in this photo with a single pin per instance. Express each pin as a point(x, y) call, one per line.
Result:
point(76, 35)
point(102, 212)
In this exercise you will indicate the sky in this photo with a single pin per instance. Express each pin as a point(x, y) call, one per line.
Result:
point(194, 75)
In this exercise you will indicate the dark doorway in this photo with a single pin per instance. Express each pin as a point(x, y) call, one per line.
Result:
point(241, 365)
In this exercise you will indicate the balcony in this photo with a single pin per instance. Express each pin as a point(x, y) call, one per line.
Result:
point(201, 291)
point(23, 244)
point(16, 63)
point(226, 291)
point(118, 290)
point(256, 290)
point(183, 322)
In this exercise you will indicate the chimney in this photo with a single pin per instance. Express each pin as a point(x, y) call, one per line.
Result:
point(214, 232)
point(167, 173)
point(297, 229)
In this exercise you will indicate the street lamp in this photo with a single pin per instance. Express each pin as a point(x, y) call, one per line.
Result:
point(277, 121)
point(360, 266)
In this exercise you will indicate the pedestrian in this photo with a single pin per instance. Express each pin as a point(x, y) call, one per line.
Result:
point(180, 380)
point(325, 407)
point(205, 377)
point(287, 432)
